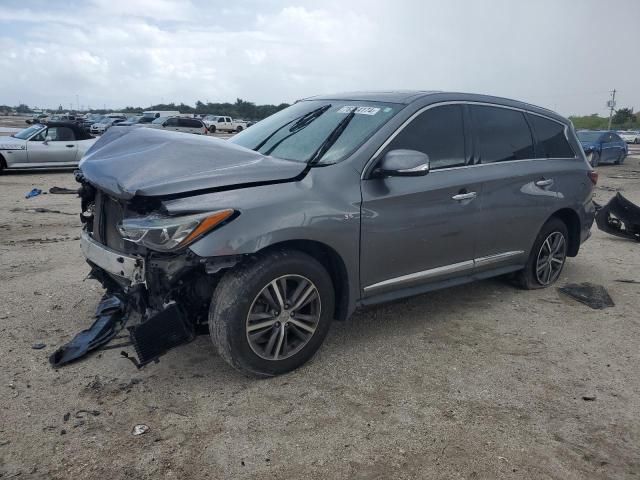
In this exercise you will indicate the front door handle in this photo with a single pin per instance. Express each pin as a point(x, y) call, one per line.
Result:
point(464, 196)
point(546, 182)
point(69, 146)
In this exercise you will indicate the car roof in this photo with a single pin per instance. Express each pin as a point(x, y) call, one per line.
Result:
point(410, 96)
point(79, 132)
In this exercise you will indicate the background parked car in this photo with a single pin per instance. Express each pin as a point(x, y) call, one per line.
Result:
point(603, 146)
point(37, 118)
point(217, 123)
point(180, 124)
point(102, 125)
point(54, 144)
point(630, 136)
point(133, 120)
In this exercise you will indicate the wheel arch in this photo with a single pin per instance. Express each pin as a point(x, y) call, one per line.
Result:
point(332, 261)
point(3, 163)
point(572, 220)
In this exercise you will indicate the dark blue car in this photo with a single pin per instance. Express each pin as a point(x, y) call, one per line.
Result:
point(603, 146)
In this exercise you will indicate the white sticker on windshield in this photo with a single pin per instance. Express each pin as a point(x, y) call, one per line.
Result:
point(359, 110)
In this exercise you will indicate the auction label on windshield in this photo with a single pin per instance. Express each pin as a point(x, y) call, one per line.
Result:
point(359, 110)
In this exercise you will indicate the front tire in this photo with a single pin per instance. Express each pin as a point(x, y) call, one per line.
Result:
point(270, 315)
point(547, 257)
point(238, 128)
point(620, 159)
point(212, 129)
point(595, 159)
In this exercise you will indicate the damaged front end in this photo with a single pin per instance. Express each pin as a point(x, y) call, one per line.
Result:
point(619, 217)
point(161, 297)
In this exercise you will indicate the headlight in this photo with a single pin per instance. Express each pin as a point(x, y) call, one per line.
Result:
point(170, 233)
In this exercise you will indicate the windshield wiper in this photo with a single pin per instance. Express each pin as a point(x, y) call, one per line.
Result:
point(331, 139)
point(300, 123)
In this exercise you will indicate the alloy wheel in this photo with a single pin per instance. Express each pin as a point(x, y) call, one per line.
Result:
point(551, 258)
point(283, 317)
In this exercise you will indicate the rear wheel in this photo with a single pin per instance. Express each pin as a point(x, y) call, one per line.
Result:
point(547, 257)
point(212, 128)
point(239, 128)
point(270, 315)
point(621, 158)
point(594, 159)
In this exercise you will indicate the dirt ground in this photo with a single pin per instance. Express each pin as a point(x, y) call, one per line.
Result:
point(481, 381)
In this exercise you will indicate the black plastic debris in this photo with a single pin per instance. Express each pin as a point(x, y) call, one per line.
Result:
point(619, 217)
point(38, 346)
point(64, 191)
point(110, 319)
point(160, 333)
point(594, 296)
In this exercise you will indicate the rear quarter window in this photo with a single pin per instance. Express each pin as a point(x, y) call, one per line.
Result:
point(551, 141)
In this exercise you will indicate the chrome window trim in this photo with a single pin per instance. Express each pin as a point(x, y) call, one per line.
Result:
point(445, 269)
point(374, 157)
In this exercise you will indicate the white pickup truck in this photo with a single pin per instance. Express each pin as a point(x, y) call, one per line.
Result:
point(218, 123)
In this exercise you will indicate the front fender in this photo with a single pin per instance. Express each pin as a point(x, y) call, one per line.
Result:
point(324, 207)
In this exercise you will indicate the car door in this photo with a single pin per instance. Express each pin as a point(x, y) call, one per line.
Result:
point(417, 230)
point(172, 124)
point(609, 148)
point(519, 191)
point(620, 147)
point(53, 145)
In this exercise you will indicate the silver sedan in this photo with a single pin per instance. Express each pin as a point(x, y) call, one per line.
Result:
point(57, 144)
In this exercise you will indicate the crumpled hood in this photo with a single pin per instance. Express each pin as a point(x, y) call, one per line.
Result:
point(131, 161)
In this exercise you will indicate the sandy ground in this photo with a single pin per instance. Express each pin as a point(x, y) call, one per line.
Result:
point(482, 381)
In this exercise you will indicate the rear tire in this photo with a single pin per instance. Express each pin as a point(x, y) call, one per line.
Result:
point(595, 159)
point(238, 128)
point(620, 159)
point(212, 129)
point(253, 330)
point(547, 257)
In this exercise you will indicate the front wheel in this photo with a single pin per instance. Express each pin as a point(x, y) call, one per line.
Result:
point(547, 257)
point(270, 315)
point(594, 159)
point(239, 128)
point(212, 129)
point(620, 159)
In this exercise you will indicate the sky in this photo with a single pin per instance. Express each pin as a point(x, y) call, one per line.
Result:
point(566, 55)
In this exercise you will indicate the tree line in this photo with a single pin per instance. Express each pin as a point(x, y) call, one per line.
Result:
point(240, 109)
point(623, 119)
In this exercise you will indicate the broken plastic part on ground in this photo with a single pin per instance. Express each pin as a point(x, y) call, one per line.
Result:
point(594, 296)
point(619, 217)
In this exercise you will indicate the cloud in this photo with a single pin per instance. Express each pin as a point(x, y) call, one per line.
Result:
point(126, 52)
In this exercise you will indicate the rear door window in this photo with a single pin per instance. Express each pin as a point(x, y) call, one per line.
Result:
point(438, 132)
point(502, 134)
point(172, 122)
point(551, 141)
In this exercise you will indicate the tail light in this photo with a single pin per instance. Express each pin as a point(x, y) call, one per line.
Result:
point(593, 176)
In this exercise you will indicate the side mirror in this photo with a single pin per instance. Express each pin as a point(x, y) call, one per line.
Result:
point(47, 140)
point(403, 163)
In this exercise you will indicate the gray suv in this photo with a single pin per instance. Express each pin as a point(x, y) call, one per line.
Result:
point(336, 202)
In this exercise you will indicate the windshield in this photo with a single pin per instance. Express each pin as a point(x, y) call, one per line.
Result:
point(297, 132)
point(589, 136)
point(159, 120)
point(27, 132)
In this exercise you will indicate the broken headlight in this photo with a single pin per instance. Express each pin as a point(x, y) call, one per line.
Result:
point(170, 233)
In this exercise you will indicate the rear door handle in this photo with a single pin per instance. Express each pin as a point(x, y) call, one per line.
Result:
point(70, 146)
point(547, 182)
point(464, 196)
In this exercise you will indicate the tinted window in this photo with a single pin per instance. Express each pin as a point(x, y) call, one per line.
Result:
point(60, 134)
point(502, 134)
point(552, 142)
point(172, 122)
point(190, 123)
point(438, 132)
point(615, 138)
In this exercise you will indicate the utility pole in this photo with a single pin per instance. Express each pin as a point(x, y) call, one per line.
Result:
point(611, 104)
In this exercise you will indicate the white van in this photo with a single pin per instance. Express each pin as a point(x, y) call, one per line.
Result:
point(153, 114)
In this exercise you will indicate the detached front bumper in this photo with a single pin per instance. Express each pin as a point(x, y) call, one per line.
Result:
point(121, 265)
